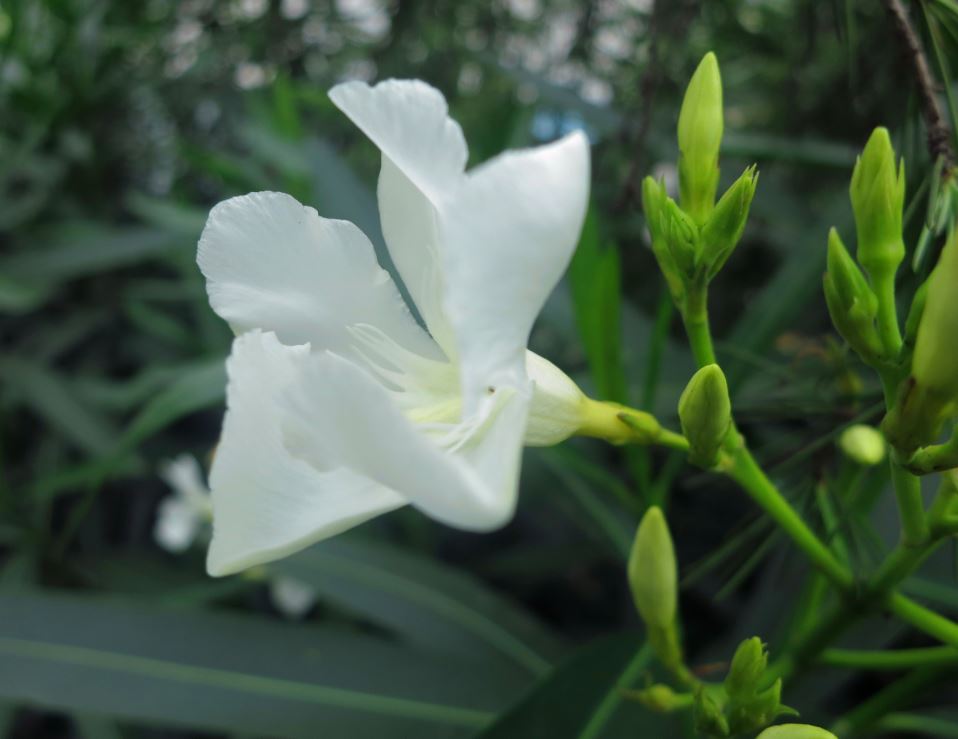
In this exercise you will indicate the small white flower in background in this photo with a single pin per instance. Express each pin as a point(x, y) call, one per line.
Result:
point(182, 515)
point(340, 406)
point(293, 598)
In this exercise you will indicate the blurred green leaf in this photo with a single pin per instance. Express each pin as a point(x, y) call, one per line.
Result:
point(82, 248)
point(200, 387)
point(582, 698)
point(51, 397)
point(425, 602)
point(227, 673)
point(597, 296)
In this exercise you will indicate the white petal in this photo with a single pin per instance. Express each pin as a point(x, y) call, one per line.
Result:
point(410, 227)
point(345, 417)
point(423, 159)
point(557, 403)
point(408, 120)
point(274, 264)
point(508, 235)
point(267, 503)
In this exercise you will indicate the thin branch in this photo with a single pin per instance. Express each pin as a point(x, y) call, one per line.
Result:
point(939, 137)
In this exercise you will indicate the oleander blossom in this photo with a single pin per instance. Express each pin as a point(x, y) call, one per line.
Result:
point(340, 405)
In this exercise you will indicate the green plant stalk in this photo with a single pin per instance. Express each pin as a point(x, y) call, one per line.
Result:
point(915, 723)
point(890, 659)
point(695, 317)
point(747, 473)
point(610, 702)
point(911, 507)
point(888, 330)
point(867, 713)
point(924, 619)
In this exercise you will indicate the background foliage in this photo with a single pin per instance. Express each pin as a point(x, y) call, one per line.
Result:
point(121, 123)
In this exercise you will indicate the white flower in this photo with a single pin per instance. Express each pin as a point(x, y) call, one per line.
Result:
point(340, 406)
point(182, 515)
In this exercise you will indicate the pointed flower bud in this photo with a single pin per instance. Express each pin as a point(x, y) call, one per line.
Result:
point(653, 573)
point(878, 199)
point(700, 136)
point(935, 361)
point(675, 236)
point(851, 302)
point(863, 444)
point(750, 713)
point(705, 413)
point(708, 715)
point(796, 731)
point(748, 666)
point(724, 227)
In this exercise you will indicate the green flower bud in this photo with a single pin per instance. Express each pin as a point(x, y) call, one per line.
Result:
point(708, 715)
point(700, 136)
point(653, 573)
point(724, 227)
point(705, 413)
point(935, 361)
point(748, 666)
point(659, 698)
point(863, 444)
point(878, 199)
point(654, 198)
point(751, 713)
point(851, 302)
point(796, 731)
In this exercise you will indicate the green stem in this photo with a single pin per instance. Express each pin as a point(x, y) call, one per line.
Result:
point(610, 702)
point(888, 329)
point(924, 619)
point(913, 723)
point(890, 659)
point(911, 507)
point(695, 316)
point(749, 475)
point(864, 715)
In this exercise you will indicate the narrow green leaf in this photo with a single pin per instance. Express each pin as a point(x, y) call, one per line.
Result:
point(582, 698)
point(427, 603)
point(227, 673)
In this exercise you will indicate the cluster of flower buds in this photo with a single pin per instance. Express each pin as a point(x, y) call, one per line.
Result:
point(878, 199)
point(746, 701)
point(861, 301)
point(691, 242)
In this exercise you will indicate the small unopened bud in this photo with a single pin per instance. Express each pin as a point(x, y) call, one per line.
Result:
point(705, 413)
point(878, 199)
point(654, 199)
point(863, 444)
point(724, 227)
point(653, 573)
point(935, 361)
point(751, 713)
point(659, 697)
point(851, 302)
point(700, 136)
point(748, 666)
point(708, 715)
point(796, 731)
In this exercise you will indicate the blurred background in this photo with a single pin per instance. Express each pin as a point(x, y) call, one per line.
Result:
point(122, 123)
